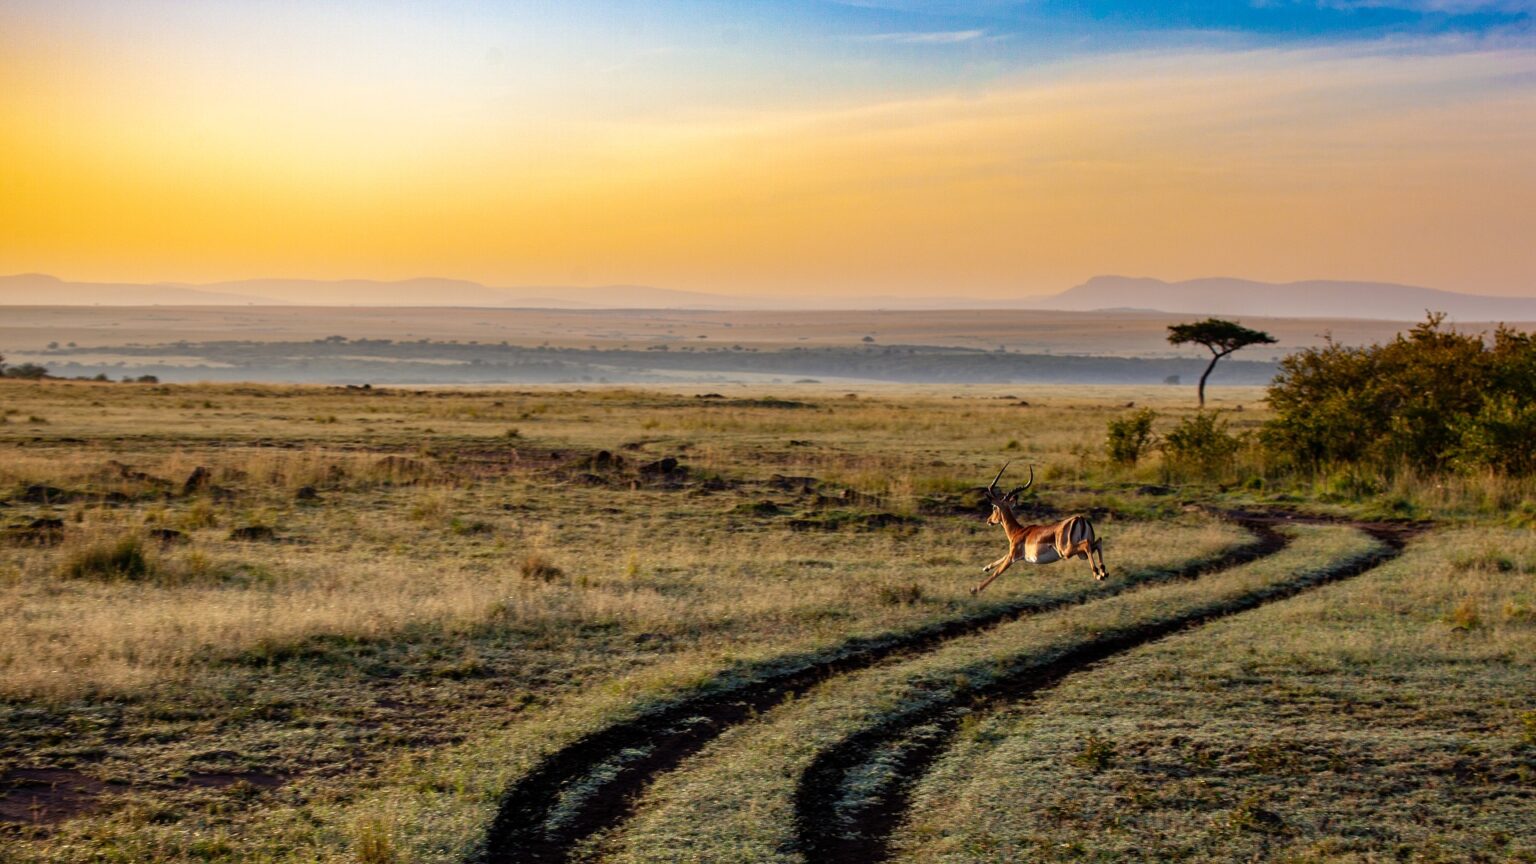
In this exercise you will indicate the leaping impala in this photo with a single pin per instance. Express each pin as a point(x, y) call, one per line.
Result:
point(1072, 537)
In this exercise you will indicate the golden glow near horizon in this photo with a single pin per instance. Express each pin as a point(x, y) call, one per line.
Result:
point(199, 147)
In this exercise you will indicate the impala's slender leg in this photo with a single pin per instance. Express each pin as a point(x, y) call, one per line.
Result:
point(1084, 548)
point(988, 581)
point(998, 563)
point(1098, 548)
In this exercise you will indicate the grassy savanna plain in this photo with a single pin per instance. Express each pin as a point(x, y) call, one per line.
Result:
point(373, 612)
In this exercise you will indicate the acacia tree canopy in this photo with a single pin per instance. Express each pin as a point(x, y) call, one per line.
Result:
point(1220, 336)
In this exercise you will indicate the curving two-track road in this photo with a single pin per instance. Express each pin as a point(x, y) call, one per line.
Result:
point(628, 756)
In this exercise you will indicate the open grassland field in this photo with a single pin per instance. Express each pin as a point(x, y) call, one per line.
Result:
point(257, 624)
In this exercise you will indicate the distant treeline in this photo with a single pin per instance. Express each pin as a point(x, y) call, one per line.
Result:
point(421, 362)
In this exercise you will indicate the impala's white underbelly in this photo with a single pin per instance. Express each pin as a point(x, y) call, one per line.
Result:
point(1043, 555)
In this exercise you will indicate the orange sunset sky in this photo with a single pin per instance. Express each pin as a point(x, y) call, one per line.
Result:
point(989, 148)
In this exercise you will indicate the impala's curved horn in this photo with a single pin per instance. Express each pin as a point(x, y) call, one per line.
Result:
point(1031, 482)
point(992, 487)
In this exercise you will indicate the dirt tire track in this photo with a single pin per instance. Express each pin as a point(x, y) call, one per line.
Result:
point(661, 740)
point(824, 838)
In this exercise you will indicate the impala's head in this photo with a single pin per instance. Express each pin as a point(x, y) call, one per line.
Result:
point(999, 500)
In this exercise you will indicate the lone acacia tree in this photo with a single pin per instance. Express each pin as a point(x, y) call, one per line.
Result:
point(1222, 337)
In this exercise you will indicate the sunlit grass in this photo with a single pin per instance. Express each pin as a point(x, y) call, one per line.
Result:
point(1322, 729)
point(396, 606)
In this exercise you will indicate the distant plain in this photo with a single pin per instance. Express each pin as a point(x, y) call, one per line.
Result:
point(655, 347)
point(29, 329)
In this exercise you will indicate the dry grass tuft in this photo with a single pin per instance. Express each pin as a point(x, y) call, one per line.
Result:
point(372, 843)
point(539, 569)
point(109, 558)
point(898, 595)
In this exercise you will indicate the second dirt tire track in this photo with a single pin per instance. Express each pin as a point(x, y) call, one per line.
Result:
point(863, 836)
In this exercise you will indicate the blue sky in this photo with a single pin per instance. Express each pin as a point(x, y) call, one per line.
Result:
point(1109, 19)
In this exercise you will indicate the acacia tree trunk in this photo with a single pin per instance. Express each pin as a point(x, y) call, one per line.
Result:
point(1214, 357)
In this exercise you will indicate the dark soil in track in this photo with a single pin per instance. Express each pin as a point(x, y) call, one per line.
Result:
point(863, 836)
point(656, 743)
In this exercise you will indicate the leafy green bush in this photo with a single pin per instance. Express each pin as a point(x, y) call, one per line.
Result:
point(1429, 400)
point(1200, 445)
point(1130, 437)
point(1501, 436)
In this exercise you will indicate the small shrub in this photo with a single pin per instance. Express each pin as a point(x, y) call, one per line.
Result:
point(1528, 728)
point(540, 568)
point(1200, 445)
point(1349, 483)
point(123, 557)
point(373, 844)
point(1464, 617)
point(1097, 752)
point(1129, 438)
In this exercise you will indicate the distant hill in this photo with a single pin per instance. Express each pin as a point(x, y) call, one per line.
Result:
point(37, 289)
point(1313, 299)
point(1231, 297)
point(34, 289)
point(42, 290)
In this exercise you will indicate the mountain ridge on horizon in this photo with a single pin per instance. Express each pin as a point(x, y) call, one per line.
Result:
point(1317, 298)
point(1311, 298)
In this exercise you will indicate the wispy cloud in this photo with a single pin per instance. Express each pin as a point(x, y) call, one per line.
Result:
point(936, 37)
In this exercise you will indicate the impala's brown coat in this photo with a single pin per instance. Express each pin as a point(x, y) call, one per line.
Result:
point(1072, 537)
